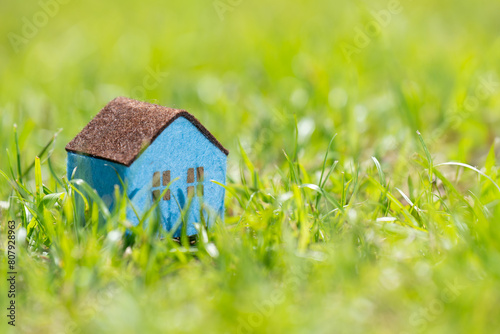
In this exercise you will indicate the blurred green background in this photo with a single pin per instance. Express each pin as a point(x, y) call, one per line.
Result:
point(246, 69)
point(372, 72)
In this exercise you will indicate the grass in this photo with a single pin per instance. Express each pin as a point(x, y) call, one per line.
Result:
point(362, 193)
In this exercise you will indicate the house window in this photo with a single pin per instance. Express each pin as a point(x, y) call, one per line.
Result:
point(195, 181)
point(157, 183)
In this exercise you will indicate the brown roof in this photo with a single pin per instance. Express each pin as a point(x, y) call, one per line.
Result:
point(124, 127)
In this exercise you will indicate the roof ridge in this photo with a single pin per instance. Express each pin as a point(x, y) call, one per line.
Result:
point(98, 139)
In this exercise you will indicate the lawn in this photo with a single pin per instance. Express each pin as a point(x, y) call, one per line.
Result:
point(362, 192)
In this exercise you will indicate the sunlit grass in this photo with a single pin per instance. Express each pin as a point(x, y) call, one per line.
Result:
point(346, 248)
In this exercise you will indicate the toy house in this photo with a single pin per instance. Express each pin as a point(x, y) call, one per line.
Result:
point(150, 146)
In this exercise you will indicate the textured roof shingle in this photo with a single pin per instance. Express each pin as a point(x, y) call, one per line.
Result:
point(124, 127)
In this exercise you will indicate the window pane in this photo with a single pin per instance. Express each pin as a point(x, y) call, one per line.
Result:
point(166, 197)
point(156, 179)
point(199, 190)
point(200, 171)
point(166, 178)
point(190, 178)
point(156, 194)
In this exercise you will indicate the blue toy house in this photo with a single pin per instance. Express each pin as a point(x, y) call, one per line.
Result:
point(150, 146)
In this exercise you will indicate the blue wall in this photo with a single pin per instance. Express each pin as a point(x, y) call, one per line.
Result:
point(98, 173)
point(179, 147)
